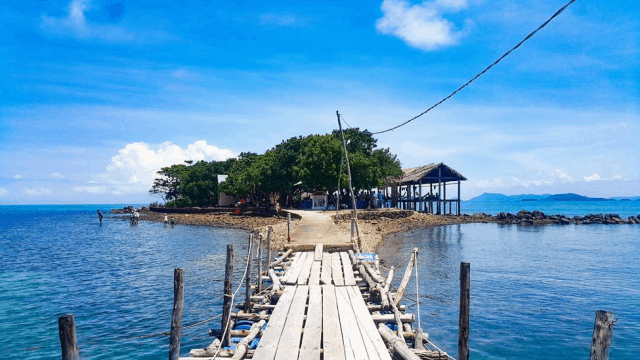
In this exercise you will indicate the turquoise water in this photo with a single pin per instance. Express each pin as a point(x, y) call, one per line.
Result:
point(534, 290)
point(116, 279)
point(568, 208)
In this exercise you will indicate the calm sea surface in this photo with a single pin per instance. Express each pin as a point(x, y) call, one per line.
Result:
point(568, 208)
point(116, 279)
point(534, 290)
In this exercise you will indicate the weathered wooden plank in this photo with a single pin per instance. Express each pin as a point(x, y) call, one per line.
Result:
point(271, 335)
point(353, 344)
point(336, 270)
point(325, 275)
point(370, 334)
point(332, 345)
point(287, 273)
point(310, 348)
point(314, 277)
point(295, 269)
point(303, 278)
point(349, 279)
point(318, 252)
point(290, 340)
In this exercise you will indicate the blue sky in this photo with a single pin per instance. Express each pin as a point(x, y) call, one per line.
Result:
point(98, 95)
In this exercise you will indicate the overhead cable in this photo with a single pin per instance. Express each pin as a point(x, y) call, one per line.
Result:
point(483, 71)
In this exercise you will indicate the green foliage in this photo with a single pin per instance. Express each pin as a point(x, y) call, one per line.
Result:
point(315, 161)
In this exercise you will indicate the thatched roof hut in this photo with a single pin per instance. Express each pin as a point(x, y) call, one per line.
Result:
point(429, 174)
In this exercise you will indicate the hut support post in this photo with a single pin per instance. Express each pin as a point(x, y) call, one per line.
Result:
point(458, 197)
point(247, 302)
point(68, 339)
point(269, 230)
point(601, 335)
point(228, 296)
point(421, 203)
point(463, 332)
point(439, 188)
point(444, 196)
point(176, 317)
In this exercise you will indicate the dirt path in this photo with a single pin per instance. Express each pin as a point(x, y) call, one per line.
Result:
point(317, 227)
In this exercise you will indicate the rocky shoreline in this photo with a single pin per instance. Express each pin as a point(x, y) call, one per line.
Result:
point(536, 217)
point(374, 225)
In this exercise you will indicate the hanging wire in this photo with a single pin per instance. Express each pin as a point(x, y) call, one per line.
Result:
point(483, 71)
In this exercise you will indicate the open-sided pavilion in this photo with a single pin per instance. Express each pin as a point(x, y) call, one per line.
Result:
point(408, 192)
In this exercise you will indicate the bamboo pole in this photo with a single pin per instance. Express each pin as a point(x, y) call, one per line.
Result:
point(243, 345)
point(463, 333)
point(228, 296)
point(259, 263)
point(399, 347)
point(176, 317)
point(397, 316)
point(68, 339)
point(269, 230)
point(247, 302)
point(277, 286)
point(387, 283)
point(407, 275)
point(601, 335)
point(282, 258)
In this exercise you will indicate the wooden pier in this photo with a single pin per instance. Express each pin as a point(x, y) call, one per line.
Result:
point(325, 305)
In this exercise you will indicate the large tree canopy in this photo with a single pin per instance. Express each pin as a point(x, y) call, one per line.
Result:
point(300, 163)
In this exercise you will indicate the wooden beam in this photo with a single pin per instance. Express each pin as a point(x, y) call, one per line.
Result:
point(68, 339)
point(227, 301)
point(463, 333)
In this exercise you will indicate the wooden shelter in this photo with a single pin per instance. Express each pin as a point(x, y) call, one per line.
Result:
point(406, 191)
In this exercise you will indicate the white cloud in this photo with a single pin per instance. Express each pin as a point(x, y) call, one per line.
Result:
point(76, 24)
point(37, 191)
point(3, 192)
point(57, 176)
point(594, 177)
point(133, 169)
point(91, 189)
point(17, 177)
point(422, 26)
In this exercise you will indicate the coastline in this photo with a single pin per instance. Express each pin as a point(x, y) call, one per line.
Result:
point(377, 224)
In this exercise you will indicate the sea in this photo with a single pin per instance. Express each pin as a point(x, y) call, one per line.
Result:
point(534, 289)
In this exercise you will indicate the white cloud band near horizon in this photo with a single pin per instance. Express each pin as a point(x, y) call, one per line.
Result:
point(134, 167)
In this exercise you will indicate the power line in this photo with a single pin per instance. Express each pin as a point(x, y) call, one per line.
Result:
point(485, 70)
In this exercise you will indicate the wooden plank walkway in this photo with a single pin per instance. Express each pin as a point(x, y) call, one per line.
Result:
point(311, 319)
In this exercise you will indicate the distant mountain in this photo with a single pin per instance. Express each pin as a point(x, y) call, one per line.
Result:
point(502, 197)
point(545, 197)
point(573, 197)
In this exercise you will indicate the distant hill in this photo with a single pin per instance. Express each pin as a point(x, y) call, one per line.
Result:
point(545, 197)
point(572, 197)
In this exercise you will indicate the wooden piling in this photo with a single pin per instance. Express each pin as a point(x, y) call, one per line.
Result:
point(601, 335)
point(387, 283)
point(176, 317)
point(228, 296)
point(259, 264)
point(463, 332)
point(247, 302)
point(269, 230)
point(68, 339)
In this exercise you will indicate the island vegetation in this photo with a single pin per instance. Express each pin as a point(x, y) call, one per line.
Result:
point(299, 164)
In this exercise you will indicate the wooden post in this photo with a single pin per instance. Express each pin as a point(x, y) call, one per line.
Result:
point(269, 230)
point(247, 302)
point(228, 296)
point(458, 197)
point(260, 262)
point(68, 339)
point(439, 187)
point(463, 332)
point(601, 335)
point(353, 226)
point(421, 207)
point(444, 196)
point(176, 317)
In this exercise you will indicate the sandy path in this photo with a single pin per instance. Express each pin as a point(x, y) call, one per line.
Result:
point(317, 227)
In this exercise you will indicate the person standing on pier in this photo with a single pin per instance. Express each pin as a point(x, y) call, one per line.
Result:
point(99, 217)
